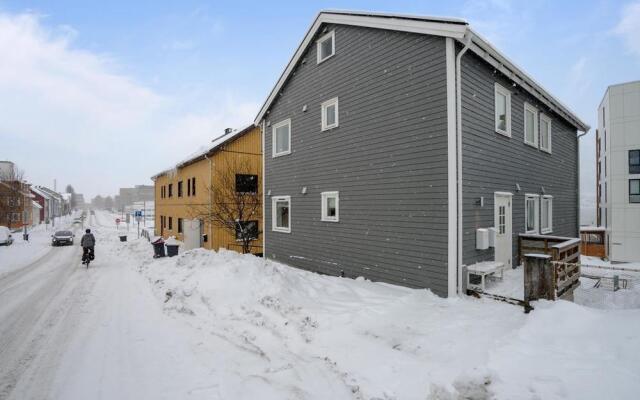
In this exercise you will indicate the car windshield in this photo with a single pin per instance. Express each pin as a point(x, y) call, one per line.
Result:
point(63, 233)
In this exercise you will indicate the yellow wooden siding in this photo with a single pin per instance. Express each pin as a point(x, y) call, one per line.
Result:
point(247, 147)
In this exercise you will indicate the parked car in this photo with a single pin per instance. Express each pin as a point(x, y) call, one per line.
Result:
point(5, 236)
point(62, 238)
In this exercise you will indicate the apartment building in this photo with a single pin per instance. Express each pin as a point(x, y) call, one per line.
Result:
point(184, 194)
point(618, 171)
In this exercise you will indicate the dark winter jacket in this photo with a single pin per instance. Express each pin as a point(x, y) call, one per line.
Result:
point(88, 240)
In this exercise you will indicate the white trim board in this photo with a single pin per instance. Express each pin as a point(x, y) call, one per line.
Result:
point(444, 27)
point(452, 209)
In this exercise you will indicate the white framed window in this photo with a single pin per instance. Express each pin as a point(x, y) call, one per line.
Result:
point(546, 220)
point(530, 125)
point(502, 110)
point(330, 206)
point(330, 114)
point(545, 133)
point(326, 46)
point(531, 207)
point(281, 138)
point(281, 214)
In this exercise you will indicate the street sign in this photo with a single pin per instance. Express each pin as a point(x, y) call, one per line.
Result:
point(117, 221)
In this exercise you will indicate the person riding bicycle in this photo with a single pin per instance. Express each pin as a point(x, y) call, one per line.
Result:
point(88, 243)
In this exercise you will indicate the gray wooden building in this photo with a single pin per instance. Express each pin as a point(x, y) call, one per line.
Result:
point(391, 139)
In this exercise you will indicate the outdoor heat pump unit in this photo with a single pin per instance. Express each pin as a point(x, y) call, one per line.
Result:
point(492, 237)
point(482, 239)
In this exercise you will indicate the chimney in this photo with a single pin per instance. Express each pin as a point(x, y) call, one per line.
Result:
point(227, 130)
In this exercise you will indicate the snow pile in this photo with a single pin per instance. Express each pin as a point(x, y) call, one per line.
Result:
point(279, 332)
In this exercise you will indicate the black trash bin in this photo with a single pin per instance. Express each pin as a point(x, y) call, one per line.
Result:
point(158, 248)
point(172, 250)
point(25, 237)
point(123, 238)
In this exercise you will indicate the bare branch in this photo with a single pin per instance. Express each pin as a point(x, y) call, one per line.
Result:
point(231, 209)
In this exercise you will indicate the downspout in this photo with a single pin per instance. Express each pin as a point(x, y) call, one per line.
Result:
point(467, 43)
point(264, 196)
point(206, 157)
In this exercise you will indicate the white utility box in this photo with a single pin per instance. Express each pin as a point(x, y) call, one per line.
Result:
point(482, 239)
point(492, 237)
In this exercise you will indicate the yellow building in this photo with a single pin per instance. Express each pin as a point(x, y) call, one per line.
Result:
point(191, 199)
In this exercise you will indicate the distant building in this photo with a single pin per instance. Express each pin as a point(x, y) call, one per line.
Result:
point(15, 204)
point(56, 202)
point(128, 196)
point(618, 170)
point(78, 200)
point(44, 201)
point(7, 169)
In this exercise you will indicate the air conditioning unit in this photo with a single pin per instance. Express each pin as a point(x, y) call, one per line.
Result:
point(482, 239)
point(492, 237)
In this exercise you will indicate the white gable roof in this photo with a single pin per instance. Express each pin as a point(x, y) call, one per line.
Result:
point(437, 26)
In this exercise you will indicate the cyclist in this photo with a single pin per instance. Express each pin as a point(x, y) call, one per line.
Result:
point(88, 243)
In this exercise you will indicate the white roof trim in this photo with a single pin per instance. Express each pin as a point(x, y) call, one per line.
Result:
point(445, 27)
point(502, 63)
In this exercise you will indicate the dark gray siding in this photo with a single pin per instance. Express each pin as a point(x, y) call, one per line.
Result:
point(492, 162)
point(387, 159)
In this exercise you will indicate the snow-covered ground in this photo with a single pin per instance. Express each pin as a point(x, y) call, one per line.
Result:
point(207, 325)
point(21, 253)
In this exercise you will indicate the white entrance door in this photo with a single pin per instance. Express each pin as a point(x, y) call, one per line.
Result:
point(502, 215)
point(192, 229)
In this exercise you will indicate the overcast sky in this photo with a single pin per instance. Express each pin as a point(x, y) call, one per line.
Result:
point(104, 96)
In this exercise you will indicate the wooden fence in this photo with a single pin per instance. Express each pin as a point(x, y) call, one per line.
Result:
point(563, 249)
point(592, 242)
point(551, 267)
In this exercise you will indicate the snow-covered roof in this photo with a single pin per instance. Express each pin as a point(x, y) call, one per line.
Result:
point(50, 193)
point(206, 150)
point(35, 204)
point(455, 28)
point(37, 190)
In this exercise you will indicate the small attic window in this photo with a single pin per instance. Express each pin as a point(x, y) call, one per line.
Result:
point(326, 46)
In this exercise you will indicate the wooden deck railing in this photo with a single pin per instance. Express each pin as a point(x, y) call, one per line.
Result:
point(552, 266)
point(560, 248)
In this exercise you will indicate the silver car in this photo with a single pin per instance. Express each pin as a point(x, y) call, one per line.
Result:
point(62, 238)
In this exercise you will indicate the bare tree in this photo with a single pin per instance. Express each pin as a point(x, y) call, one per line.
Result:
point(72, 199)
point(98, 202)
point(108, 203)
point(236, 202)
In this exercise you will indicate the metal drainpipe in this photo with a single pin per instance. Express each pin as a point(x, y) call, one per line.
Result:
point(210, 200)
point(467, 42)
point(264, 195)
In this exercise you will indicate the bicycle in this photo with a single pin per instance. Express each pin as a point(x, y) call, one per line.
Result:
point(87, 256)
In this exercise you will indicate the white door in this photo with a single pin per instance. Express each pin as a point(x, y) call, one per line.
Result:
point(502, 214)
point(192, 229)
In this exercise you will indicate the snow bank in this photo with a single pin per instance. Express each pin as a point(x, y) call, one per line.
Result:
point(281, 332)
